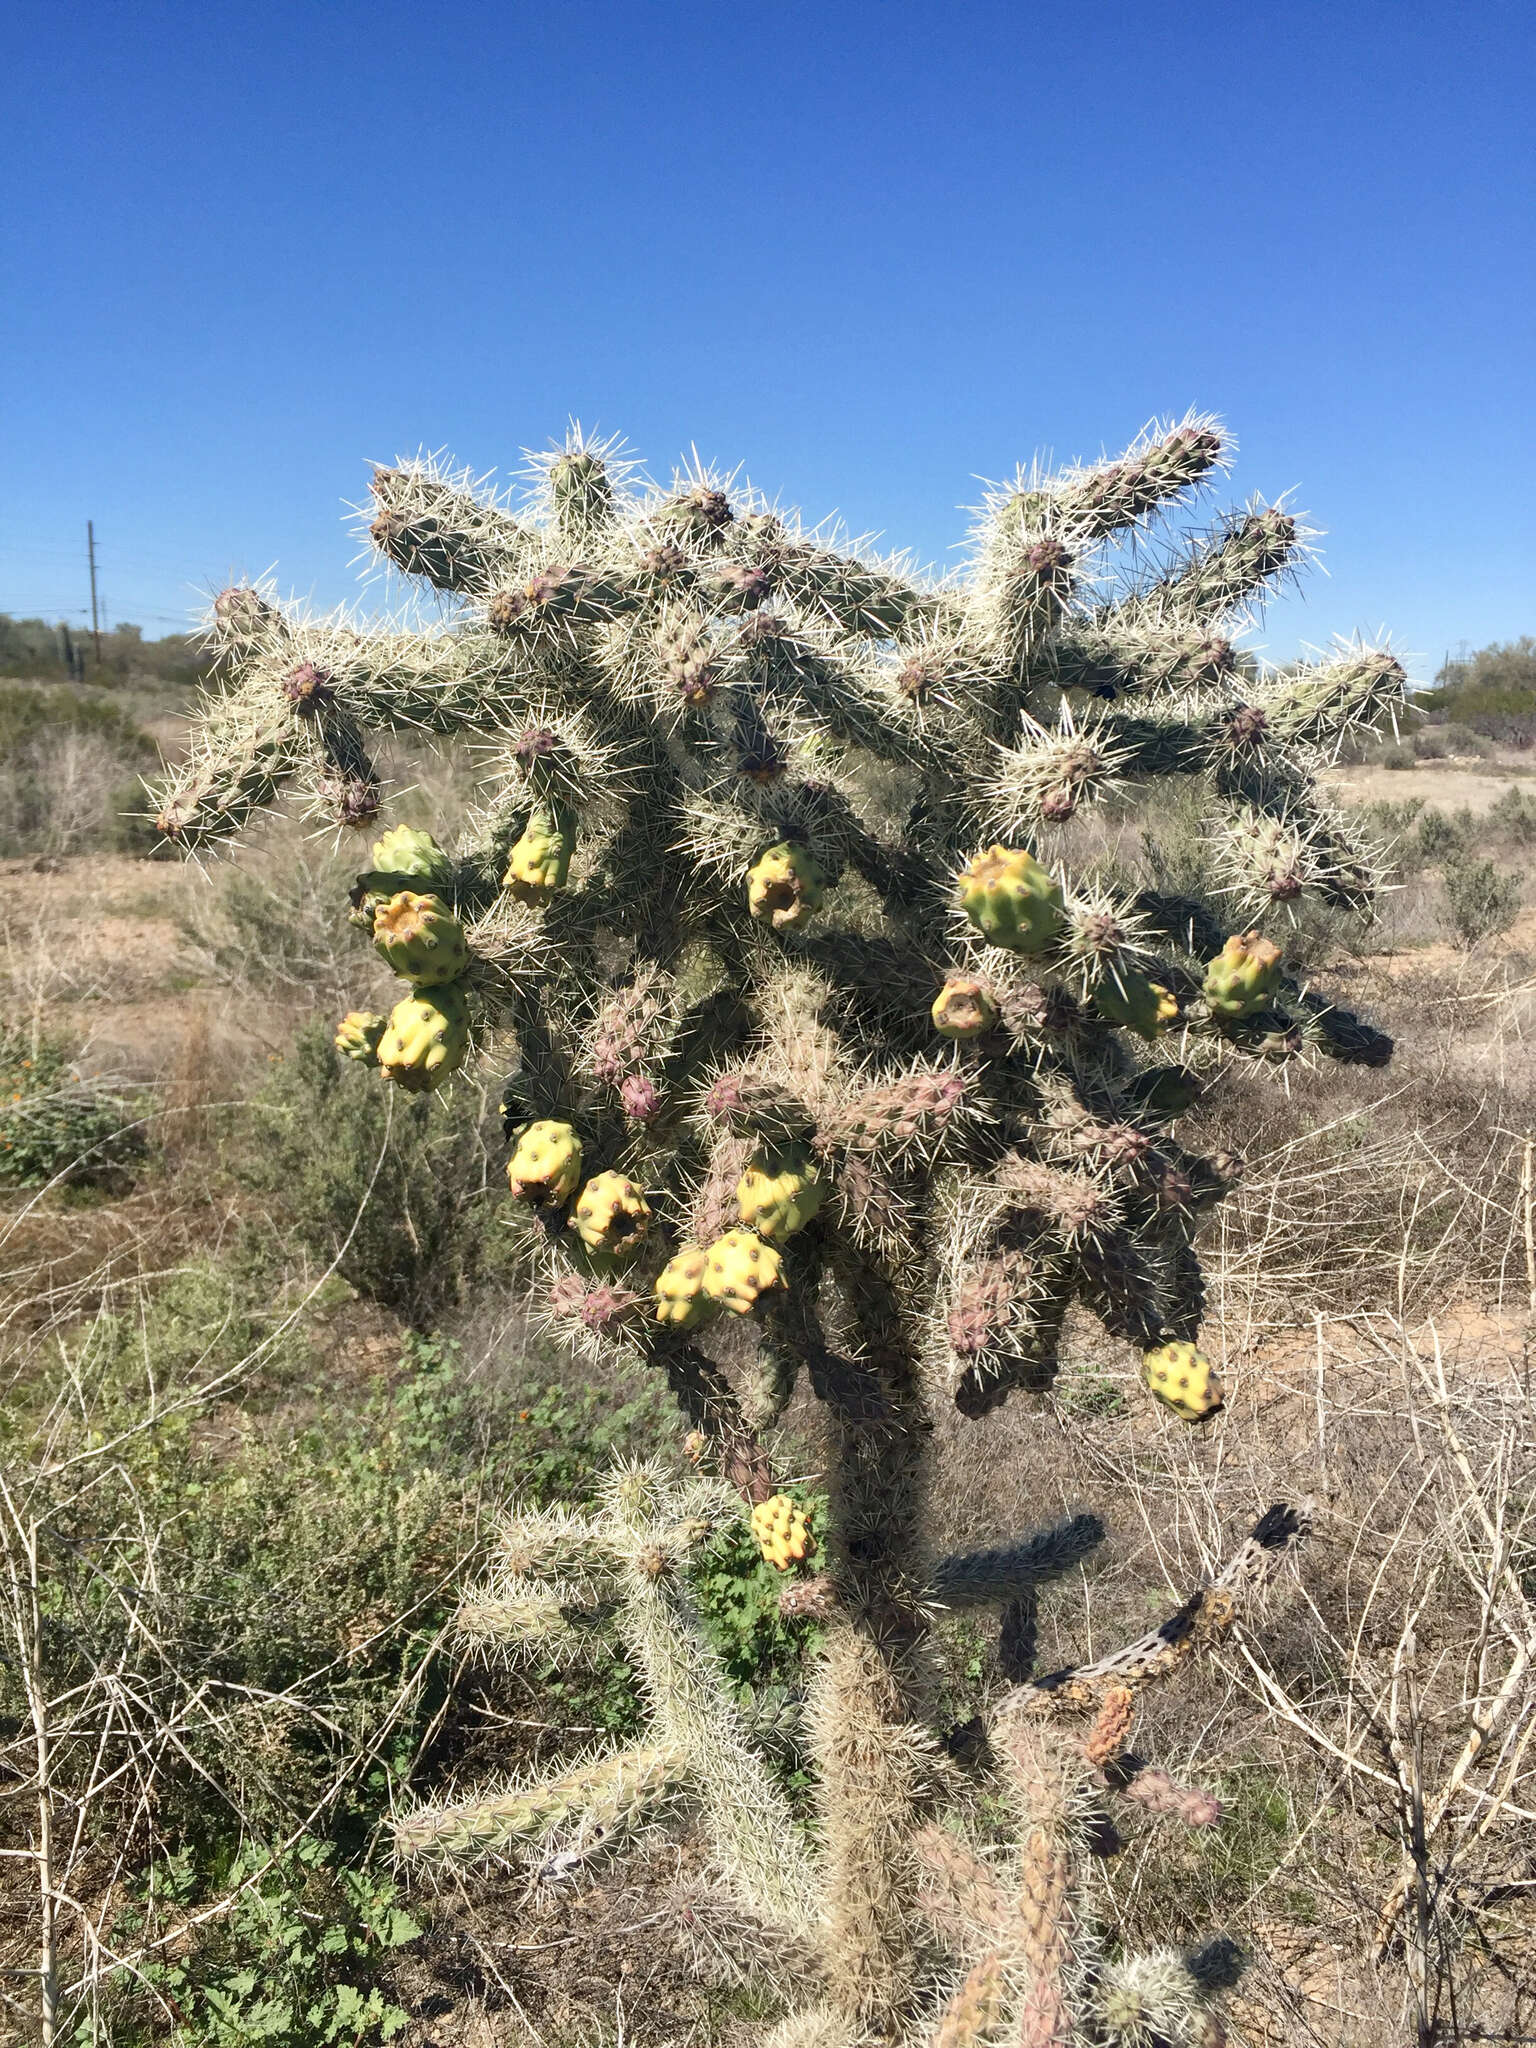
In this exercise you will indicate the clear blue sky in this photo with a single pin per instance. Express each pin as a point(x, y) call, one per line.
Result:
point(870, 251)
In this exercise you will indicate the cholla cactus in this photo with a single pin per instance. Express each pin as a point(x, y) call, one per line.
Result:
point(896, 1895)
point(819, 1043)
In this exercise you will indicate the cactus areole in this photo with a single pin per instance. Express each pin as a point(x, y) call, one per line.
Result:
point(821, 1053)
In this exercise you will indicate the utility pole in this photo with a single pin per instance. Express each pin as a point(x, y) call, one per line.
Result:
point(90, 542)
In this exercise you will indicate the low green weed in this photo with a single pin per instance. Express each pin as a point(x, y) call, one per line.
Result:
point(56, 1126)
point(295, 1962)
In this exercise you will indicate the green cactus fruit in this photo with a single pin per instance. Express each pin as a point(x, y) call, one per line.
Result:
point(1012, 900)
point(680, 1297)
point(780, 1191)
point(358, 1035)
point(1183, 1379)
point(612, 1214)
point(739, 1269)
point(426, 1038)
point(1140, 1004)
point(545, 1167)
point(1242, 977)
point(785, 887)
point(541, 860)
point(963, 1008)
point(405, 851)
point(421, 939)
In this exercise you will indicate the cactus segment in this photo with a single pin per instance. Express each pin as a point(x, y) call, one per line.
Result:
point(782, 1529)
point(1139, 1003)
point(426, 1039)
point(963, 1008)
point(410, 854)
point(1012, 901)
point(785, 887)
point(681, 1300)
point(1164, 1093)
point(610, 1796)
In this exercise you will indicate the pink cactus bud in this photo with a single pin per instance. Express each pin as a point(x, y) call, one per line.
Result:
point(308, 689)
point(640, 1097)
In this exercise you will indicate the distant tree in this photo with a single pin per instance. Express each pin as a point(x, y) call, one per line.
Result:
point(33, 650)
point(1492, 690)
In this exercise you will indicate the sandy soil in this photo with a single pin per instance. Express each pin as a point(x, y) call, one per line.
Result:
point(95, 946)
point(1448, 785)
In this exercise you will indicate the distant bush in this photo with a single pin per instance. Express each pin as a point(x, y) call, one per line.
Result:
point(1514, 815)
point(276, 929)
point(1480, 900)
point(1439, 836)
point(1394, 817)
point(70, 763)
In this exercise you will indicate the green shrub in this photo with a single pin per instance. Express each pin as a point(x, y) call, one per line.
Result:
point(1479, 899)
point(738, 1593)
point(1440, 837)
point(1397, 820)
point(56, 1126)
point(277, 928)
point(266, 1566)
point(404, 1204)
point(1514, 816)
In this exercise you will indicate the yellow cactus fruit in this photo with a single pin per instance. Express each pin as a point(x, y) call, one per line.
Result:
point(541, 860)
point(680, 1296)
point(780, 1191)
point(1242, 977)
point(785, 888)
point(612, 1214)
point(963, 1008)
point(421, 939)
point(783, 1531)
point(1012, 900)
point(1183, 1379)
point(426, 1038)
point(739, 1268)
point(1141, 1005)
point(358, 1035)
point(545, 1166)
